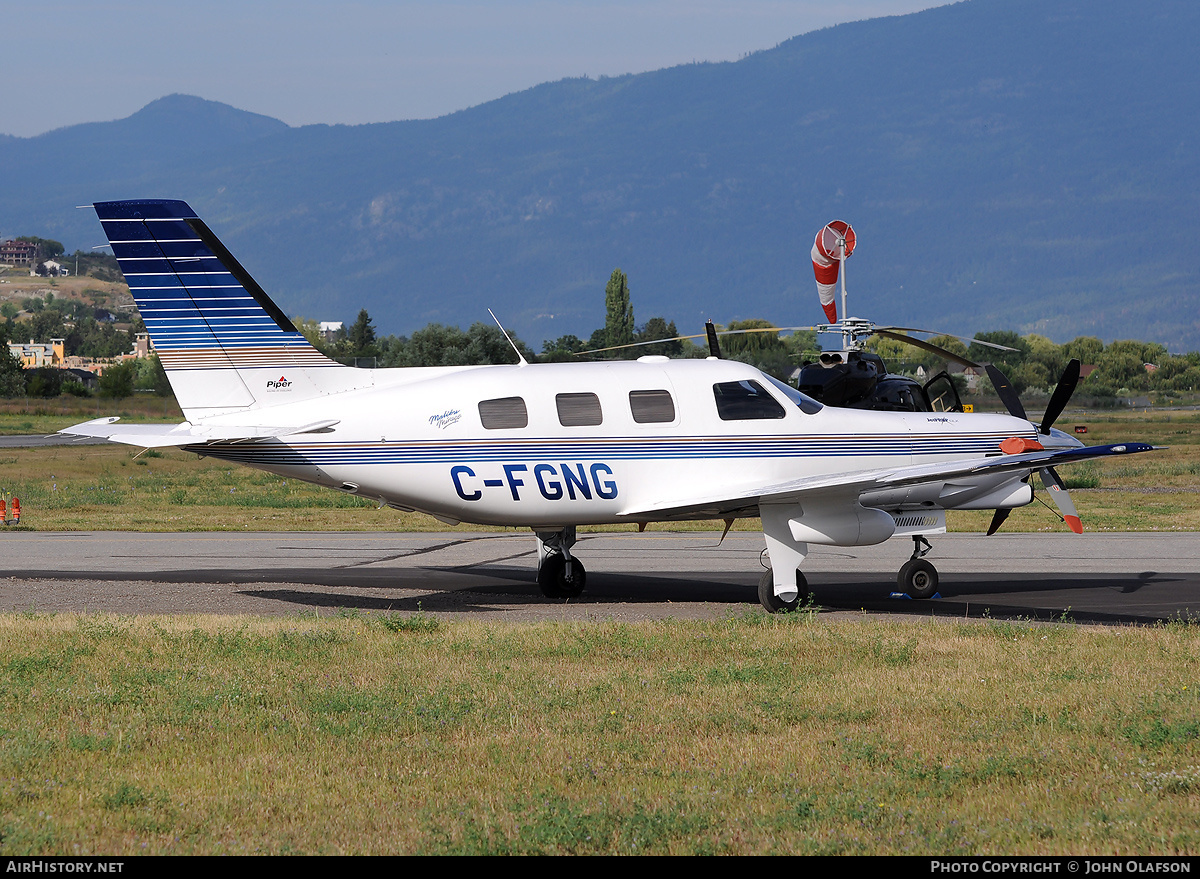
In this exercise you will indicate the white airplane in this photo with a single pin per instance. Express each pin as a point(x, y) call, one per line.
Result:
point(555, 446)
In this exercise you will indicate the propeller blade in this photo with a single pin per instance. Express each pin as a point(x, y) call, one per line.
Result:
point(1060, 397)
point(714, 347)
point(926, 346)
point(1062, 500)
point(1004, 388)
point(998, 520)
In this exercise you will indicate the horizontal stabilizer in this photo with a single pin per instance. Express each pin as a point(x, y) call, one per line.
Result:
point(152, 436)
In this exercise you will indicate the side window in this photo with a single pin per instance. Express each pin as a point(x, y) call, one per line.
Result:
point(578, 410)
point(745, 401)
point(651, 407)
point(504, 413)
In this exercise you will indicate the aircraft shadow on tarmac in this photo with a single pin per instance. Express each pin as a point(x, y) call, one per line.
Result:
point(1145, 598)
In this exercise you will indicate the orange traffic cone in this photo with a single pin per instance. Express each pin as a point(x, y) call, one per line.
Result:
point(16, 510)
point(3, 512)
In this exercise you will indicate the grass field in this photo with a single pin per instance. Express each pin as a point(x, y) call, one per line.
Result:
point(753, 735)
point(113, 488)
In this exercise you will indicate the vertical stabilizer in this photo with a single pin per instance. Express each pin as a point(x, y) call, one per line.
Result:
point(224, 344)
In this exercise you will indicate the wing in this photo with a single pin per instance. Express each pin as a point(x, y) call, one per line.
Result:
point(847, 487)
point(152, 436)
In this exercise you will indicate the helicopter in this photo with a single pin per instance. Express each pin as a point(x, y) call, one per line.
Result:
point(851, 376)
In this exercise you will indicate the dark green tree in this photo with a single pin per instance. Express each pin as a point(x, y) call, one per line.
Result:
point(652, 331)
point(12, 377)
point(44, 381)
point(765, 350)
point(117, 381)
point(440, 345)
point(361, 336)
point(562, 349)
point(618, 320)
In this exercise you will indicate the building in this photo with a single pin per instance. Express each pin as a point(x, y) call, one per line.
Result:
point(18, 253)
point(38, 354)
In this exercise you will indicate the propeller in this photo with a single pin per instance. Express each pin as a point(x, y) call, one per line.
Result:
point(1058, 401)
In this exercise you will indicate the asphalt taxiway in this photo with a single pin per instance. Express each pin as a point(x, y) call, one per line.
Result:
point(1130, 578)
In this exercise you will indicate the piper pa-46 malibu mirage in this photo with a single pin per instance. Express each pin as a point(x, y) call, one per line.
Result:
point(554, 446)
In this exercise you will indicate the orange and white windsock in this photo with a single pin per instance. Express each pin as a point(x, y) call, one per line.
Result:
point(826, 257)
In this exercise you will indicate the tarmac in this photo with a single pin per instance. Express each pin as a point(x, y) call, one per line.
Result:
point(1111, 579)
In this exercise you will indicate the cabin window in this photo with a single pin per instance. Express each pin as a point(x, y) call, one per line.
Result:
point(578, 410)
point(745, 401)
point(807, 404)
point(652, 407)
point(504, 413)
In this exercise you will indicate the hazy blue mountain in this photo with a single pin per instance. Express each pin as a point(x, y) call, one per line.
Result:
point(1006, 164)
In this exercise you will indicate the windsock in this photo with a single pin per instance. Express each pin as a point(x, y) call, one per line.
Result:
point(826, 256)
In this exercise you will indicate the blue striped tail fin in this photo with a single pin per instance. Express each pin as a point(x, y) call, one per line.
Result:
point(219, 336)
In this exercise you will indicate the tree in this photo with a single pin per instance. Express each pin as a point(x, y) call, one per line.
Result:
point(44, 381)
point(618, 320)
point(12, 377)
point(48, 248)
point(1007, 361)
point(361, 336)
point(562, 349)
point(653, 330)
point(116, 383)
point(765, 351)
point(439, 345)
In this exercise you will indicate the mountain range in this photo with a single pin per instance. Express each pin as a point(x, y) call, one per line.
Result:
point(1006, 164)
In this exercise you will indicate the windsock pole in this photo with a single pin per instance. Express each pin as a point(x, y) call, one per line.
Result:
point(846, 339)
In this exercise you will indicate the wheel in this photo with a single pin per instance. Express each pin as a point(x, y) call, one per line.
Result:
point(918, 578)
point(552, 578)
point(772, 602)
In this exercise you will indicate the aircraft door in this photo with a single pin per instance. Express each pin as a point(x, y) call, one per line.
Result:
point(941, 394)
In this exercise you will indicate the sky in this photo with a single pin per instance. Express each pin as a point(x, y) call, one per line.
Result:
point(357, 61)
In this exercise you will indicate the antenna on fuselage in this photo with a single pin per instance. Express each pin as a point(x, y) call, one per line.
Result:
point(520, 356)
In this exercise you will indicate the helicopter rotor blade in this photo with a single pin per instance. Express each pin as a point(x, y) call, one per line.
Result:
point(703, 335)
point(926, 346)
point(952, 336)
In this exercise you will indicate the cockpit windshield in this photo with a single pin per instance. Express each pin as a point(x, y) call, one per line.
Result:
point(807, 404)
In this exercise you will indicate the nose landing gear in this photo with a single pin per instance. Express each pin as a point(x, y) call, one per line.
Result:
point(560, 575)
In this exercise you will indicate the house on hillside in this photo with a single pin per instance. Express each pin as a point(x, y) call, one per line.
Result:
point(18, 253)
point(35, 355)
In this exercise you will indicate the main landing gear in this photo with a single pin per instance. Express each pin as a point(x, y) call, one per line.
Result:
point(772, 603)
point(560, 575)
point(918, 577)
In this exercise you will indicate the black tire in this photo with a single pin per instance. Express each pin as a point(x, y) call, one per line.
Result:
point(918, 578)
point(552, 577)
point(771, 602)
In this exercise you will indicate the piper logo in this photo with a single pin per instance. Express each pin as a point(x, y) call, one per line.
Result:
point(280, 384)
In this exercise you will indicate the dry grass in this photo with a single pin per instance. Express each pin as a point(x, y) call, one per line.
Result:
point(753, 735)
